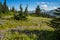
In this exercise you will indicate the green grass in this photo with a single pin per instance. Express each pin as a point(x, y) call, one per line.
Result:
point(31, 35)
point(32, 23)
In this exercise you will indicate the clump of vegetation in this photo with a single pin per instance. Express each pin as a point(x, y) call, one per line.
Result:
point(28, 35)
point(55, 23)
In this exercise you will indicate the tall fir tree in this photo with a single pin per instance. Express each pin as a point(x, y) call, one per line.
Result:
point(0, 8)
point(26, 10)
point(55, 23)
point(21, 14)
point(37, 10)
point(21, 11)
point(13, 9)
point(5, 7)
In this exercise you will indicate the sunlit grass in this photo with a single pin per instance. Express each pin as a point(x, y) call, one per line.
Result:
point(32, 23)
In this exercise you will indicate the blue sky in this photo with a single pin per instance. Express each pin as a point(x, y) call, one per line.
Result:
point(44, 4)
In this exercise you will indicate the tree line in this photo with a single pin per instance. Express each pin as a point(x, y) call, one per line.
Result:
point(21, 15)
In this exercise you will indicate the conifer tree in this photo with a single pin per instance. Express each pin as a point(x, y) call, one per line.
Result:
point(26, 11)
point(16, 15)
point(37, 10)
point(0, 8)
point(21, 11)
point(13, 9)
point(55, 23)
point(21, 14)
point(5, 7)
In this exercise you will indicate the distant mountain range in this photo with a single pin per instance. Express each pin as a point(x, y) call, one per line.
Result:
point(51, 12)
point(32, 11)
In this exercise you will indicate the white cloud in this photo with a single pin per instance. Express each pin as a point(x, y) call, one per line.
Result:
point(40, 3)
point(43, 2)
point(54, 7)
point(44, 6)
point(9, 8)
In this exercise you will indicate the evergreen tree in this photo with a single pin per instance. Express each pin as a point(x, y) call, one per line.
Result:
point(13, 9)
point(37, 10)
point(26, 11)
point(16, 15)
point(55, 23)
point(0, 9)
point(21, 14)
point(5, 7)
point(21, 9)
